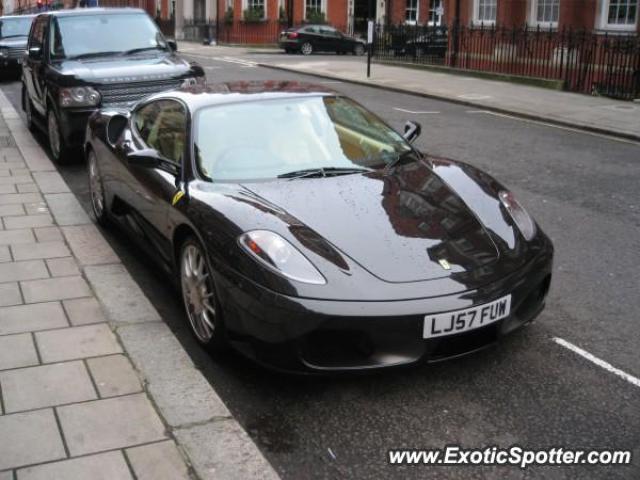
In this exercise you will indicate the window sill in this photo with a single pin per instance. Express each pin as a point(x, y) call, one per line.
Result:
point(483, 23)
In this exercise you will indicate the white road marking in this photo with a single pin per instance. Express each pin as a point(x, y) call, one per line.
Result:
point(601, 363)
point(411, 111)
point(559, 127)
point(330, 81)
point(474, 96)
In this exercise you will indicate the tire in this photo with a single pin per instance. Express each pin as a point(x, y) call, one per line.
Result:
point(57, 146)
point(96, 190)
point(359, 50)
point(27, 106)
point(306, 48)
point(199, 297)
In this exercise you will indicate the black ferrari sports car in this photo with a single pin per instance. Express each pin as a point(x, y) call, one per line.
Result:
point(309, 235)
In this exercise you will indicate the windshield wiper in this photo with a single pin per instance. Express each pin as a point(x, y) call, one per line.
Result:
point(143, 49)
point(323, 172)
point(92, 54)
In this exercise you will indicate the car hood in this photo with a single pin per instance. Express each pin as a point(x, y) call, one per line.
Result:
point(125, 69)
point(405, 227)
point(13, 42)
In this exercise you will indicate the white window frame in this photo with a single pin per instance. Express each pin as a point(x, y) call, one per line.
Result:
point(438, 18)
point(603, 22)
point(245, 6)
point(417, 20)
point(533, 15)
point(323, 8)
point(476, 14)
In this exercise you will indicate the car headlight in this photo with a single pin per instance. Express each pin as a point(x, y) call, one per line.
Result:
point(519, 215)
point(277, 254)
point(79, 97)
point(192, 81)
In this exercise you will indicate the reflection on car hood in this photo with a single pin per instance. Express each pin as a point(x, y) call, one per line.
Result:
point(399, 227)
point(119, 69)
point(13, 42)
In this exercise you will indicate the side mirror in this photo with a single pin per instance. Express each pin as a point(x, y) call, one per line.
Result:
point(34, 52)
point(412, 130)
point(172, 44)
point(150, 158)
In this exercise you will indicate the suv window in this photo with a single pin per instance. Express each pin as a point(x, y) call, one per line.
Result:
point(37, 34)
point(162, 125)
point(332, 32)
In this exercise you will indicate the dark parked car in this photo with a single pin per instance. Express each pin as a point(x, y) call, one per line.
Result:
point(319, 38)
point(14, 31)
point(308, 234)
point(426, 41)
point(83, 59)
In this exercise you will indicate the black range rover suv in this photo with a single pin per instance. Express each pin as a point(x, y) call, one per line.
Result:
point(81, 60)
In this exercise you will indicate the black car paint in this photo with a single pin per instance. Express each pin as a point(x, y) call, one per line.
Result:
point(321, 42)
point(382, 297)
point(43, 77)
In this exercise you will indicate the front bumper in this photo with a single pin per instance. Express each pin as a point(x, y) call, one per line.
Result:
point(10, 63)
point(307, 335)
point(73, 125)
point(289, 44)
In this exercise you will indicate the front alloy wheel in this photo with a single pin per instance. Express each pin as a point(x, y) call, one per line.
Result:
point(199, 297)
point(56, 143)
point(96, 188)
point(358, 50)
point(306, 49)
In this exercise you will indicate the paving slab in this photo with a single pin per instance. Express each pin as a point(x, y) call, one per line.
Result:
point(103, 466)
point(76, 342)
point(14, 209)
point(6, 475)
point(62, 267)
point(13, 237)
point(223, 449)
point(40, 250)
point(10, 294)
point(158, 461)
point(17, 351)
point(27, 188)
point(61, 288)
point(83, 311)
point(50, 182)
point(109, 424)
point(28, 438)
point(89, 246)
point(123, 300)
point(46, 386)
point(13, 198)
point(27, 318)
point(114, 375)
point(158, 355)
point(28, 221)
point(48, 234)
point(28, 270)
point(5, 254)
point(65, 209)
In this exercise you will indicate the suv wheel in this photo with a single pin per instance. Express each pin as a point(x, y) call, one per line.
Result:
point(28, 108)
point(358, 50)
point(58, 148)
point(307, 48)
point(96, 188)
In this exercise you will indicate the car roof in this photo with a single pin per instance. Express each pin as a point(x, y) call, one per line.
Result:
point(18, 16)
point(196, 97)
point(91, 11)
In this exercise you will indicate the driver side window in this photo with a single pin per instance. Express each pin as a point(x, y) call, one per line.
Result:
point(162, 125)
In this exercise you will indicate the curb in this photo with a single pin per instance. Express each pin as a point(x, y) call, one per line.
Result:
point(213, 443)
point(468, 103)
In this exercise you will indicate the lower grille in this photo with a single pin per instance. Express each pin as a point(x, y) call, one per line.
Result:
point(16, 52)
point(125, 94)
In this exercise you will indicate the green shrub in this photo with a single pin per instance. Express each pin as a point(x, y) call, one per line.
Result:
point(253, 15)
point(228, 15)
point(315, 16)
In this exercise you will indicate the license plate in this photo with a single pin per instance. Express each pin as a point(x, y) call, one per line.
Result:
point(459, 321)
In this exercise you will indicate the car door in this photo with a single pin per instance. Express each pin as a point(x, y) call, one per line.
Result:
point(159, 125)
point(331, 41)
point(34, 65)
point(312, 35)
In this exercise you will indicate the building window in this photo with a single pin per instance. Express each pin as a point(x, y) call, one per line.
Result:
point(545, 12)
point(485, 11)
point(314, 11)
point(255, 8)
point(436, 12)
point(620, 14)
point(411, 12)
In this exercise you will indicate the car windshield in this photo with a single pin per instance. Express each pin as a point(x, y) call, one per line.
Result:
point(15, 27)
point(87, 35)
point(277, 138)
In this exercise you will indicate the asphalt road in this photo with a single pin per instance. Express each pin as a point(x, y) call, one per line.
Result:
point(583, 190)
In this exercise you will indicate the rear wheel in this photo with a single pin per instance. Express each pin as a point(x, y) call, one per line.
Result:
point(199, 296)
point(358, 50)
point(57, 145)
point(307, 48)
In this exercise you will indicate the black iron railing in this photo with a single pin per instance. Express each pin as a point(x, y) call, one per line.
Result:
point(588, 62)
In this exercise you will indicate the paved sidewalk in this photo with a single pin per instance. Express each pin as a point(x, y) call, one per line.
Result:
point(93, 385)
point(596, 114)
